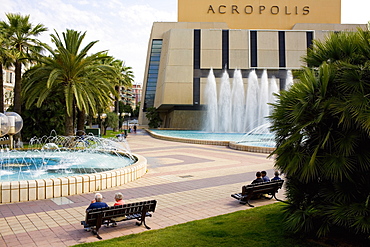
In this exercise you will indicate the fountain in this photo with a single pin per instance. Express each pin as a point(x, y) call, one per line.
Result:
point(237, 103)
point(289, 80)
point(54, 166)
point(235, 110)
point(211, 119)
point(234, 117)
point(60, 156)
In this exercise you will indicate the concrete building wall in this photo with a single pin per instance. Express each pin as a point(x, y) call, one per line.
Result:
point(190, 49)
point(239, 49)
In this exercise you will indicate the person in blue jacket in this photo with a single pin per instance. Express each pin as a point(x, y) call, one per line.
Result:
point(276, 176)
point(265, 177)
point(97, 202)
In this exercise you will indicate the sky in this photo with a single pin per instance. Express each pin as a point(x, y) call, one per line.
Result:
point(123, 26)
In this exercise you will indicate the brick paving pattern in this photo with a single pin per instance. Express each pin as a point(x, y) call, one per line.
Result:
point(189, 181)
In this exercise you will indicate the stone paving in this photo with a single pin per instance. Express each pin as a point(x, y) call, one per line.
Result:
point(189, 182)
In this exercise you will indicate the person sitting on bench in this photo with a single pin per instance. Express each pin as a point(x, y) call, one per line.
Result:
point(119, 199)
point(97, 202)
point(265, 177)
point(276, 176)
point(258, 179)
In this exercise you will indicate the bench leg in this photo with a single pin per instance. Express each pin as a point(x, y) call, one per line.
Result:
point(95, 232)
point(99, 222)
point(278, 199)
point(142, 219)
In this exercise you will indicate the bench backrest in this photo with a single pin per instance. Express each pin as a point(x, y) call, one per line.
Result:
point(119, 211)
point(264, 187)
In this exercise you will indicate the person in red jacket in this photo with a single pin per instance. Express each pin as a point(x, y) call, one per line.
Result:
point(119, 199)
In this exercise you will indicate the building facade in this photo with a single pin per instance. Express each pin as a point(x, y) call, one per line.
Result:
point(9, 81)
point(261, 35)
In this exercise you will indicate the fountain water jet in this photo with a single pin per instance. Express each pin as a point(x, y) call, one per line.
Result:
point(233, 109)
point(224, 104)
point(251, 109)
point(210, 95)
point(238, 103)
point(263, 108)
point(273, 89)
point(289, 80)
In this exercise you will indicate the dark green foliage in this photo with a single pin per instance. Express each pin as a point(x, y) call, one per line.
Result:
point(136, 110)
point(42, 121)
point(322, 127)
point(153, 116)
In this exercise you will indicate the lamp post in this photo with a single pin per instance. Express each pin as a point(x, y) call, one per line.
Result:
point(119, 127)
point(129, 115)
point(103, 116)
point(123, 120)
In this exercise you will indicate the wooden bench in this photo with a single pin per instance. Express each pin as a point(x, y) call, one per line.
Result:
point(254, 190)
point(110, 215)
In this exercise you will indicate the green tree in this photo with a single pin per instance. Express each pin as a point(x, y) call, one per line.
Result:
point(20, 33)
point(322, 128)
point(137, 109)
point(82, 79)
point(124, 78)
point(110, 121)
point(153, 116)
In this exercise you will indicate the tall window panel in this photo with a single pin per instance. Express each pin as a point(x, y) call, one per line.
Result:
point(151, 83)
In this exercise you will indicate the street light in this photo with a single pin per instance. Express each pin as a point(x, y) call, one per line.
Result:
point(129, 115)
point(103, 116)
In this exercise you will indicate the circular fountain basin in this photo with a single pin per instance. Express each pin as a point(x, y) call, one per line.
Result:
point(238, 141)
point(57, 166)
point(38, 189)
point(33, 164)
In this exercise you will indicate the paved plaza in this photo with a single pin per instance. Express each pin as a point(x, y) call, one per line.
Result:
point(189, 181)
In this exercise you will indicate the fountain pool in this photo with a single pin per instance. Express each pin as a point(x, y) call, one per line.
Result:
point(56, 166)
point(34, 164)
point(256, 140)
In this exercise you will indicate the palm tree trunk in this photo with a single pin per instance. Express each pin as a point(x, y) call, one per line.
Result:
point(68, 125)
point(116, 105)
point(1, 89)
point(17, 88)
point(80, 122)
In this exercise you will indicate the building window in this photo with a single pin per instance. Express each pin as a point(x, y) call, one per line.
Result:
point(152, 77)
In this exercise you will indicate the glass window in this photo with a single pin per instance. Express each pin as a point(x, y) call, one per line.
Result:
point(152, 81)
point(151, 85)
point(152, 66)
point(155, 58)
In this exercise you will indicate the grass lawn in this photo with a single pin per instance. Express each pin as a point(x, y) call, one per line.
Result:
point(260, 226)
point(111, 133)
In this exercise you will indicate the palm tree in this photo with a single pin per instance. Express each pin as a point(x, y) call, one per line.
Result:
point(322, 127)
point(125, 77)
point(124, 80)
point(20, 34)
point(82, 79)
